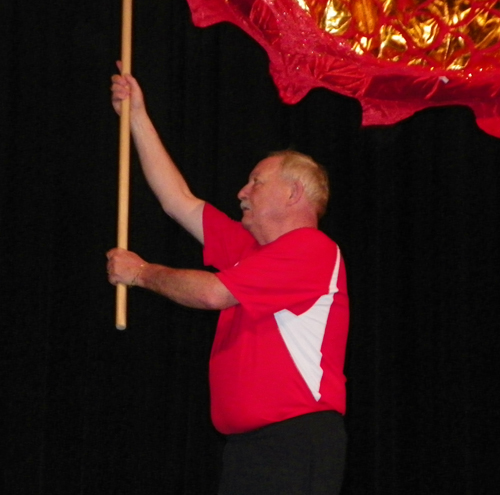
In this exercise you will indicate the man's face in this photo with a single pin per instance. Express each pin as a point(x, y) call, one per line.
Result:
point(264, 198)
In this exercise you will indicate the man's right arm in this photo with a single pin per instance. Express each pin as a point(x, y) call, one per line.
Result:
point(160, 171)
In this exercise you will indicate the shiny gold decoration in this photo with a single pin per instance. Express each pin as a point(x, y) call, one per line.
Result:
point(365, 16)
point(445, 34)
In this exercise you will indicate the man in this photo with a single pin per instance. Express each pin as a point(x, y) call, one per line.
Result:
point(276, 369)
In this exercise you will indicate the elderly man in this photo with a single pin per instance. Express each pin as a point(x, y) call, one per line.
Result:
point(276, 368)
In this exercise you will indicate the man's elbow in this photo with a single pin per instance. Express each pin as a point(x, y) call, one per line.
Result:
point(219, 298)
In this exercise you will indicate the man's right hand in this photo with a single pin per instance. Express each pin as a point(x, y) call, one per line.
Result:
point(124, 86)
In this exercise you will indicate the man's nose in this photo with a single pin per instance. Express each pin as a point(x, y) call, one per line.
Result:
point(243, 193)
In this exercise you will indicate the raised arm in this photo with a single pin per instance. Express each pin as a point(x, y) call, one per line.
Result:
point(162, 174)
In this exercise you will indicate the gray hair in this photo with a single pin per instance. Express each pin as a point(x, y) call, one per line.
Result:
point(312, 175)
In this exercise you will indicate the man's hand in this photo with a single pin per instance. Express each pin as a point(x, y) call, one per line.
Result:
point(124, 266)
point(124, 86)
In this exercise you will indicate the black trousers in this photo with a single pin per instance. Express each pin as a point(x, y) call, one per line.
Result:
point(300, 456)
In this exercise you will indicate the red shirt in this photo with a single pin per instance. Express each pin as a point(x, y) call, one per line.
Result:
point(280, 352)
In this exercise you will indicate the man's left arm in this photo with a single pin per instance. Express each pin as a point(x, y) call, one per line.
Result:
point(192, 288)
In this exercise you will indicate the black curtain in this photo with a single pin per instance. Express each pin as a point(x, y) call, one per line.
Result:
point(415, 208)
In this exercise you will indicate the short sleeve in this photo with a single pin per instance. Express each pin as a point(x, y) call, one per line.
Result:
point(292, 272)
point(225, 240)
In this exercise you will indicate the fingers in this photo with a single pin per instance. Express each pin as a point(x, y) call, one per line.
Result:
point(120, 88)
point(122, 266)
point(113, 264)
point(124, 86)
point(120, 91)
point(125, 80)
point(110, 266)
point(113, 252)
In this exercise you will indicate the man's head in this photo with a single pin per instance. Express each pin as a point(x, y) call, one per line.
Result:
point(285, 191)
point(312, 175)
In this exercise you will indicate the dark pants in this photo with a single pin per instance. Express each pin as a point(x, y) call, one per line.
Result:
point(300, 456)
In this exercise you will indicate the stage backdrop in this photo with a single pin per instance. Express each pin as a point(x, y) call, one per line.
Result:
point(415, 208)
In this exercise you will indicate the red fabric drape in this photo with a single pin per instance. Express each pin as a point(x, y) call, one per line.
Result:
point(304, 56)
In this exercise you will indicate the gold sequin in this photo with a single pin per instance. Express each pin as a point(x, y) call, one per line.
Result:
point(446, 34)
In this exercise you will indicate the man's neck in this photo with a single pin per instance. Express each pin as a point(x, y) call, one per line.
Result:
point(282, 228)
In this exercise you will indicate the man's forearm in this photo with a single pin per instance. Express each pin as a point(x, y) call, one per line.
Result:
point(192, 288)
point(164, 177)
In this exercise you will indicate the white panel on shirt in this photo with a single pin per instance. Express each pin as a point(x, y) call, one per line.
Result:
point(303, 334)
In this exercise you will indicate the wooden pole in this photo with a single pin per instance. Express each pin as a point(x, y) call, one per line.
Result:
point(124, 161)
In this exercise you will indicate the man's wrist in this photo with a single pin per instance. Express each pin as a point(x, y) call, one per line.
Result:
point(136, 280)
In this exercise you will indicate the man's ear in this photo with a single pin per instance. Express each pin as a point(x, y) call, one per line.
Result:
point(296, 192)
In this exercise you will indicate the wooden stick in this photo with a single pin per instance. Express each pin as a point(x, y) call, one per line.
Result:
point(124, 165)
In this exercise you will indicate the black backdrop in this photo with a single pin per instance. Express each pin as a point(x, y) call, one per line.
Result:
point(415, 208)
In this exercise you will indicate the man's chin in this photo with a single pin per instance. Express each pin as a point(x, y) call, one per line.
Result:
point(244, 222)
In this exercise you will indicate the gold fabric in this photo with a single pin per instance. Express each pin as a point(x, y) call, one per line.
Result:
point(445, 34)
